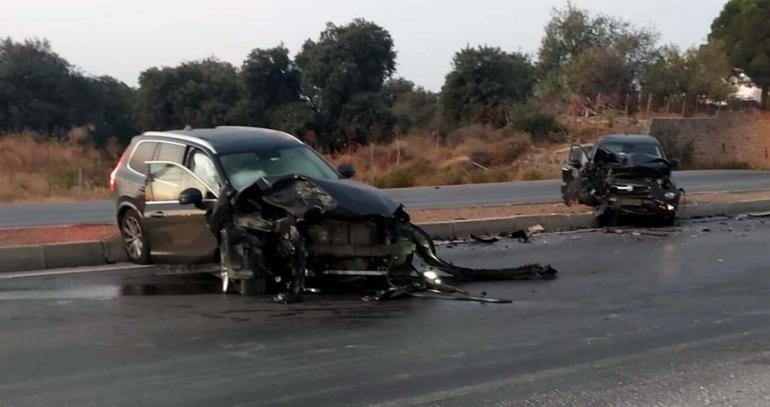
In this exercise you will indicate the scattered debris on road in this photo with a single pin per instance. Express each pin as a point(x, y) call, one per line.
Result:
point(535, 229)
point(485, 238)
point(521, 235)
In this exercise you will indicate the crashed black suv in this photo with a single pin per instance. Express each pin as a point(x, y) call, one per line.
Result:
point(622, 175)
point(272, 215)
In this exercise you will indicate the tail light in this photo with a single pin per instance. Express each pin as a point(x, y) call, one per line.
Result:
point(114, 172)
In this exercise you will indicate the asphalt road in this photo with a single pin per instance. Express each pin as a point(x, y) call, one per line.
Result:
point(36, 214)
point(633, 319)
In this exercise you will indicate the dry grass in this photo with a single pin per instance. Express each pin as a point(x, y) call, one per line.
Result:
point(475, 154)
point(33, 167)
point(469, 155)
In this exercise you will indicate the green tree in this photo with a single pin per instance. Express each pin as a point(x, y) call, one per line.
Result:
point(601, 70)
point(483, 81)
point(199, 93)
point(346, 61)
point(585, 55)
point(35, 88)
point(270, 79)
point(666, 75)
point(114, 104)
point(297, 118)
point(41, 91)
point(696, 72)
point(708, 70)
point(412, 106)
point(366, 117)
point(569, 32)
point(744, 28)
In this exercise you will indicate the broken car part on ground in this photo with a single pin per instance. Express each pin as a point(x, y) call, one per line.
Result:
point(284, 234)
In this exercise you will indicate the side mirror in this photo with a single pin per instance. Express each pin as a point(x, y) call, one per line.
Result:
point(346, 170)
point(675, 162)
point(191, 196)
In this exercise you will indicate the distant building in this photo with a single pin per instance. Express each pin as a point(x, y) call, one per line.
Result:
point(749, 93)
point(746, 90)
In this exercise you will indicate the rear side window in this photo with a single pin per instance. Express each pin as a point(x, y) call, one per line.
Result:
point(142, 153)
point(170, 152)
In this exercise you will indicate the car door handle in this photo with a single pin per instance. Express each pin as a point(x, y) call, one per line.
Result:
point(158, 214)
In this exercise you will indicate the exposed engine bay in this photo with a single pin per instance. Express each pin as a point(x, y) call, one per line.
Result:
point(289, 235)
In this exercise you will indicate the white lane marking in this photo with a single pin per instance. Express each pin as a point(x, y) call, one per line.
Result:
point(74, 270)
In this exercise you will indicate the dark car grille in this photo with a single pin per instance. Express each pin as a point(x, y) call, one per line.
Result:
point(343, 233)
point(620, 188)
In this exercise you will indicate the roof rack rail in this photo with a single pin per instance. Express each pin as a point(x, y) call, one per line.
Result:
point(181, 137)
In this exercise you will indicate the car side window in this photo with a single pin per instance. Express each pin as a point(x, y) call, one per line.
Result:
point(201, 165)
point(577, 155)
point(142, 153)
point(167, 181)
point(170, 152)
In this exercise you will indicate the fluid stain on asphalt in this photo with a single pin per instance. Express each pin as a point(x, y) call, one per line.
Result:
point(106, 292)
point(170, 289)
point(98, 293)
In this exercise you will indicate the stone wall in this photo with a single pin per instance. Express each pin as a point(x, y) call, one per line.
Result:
point(729, 140)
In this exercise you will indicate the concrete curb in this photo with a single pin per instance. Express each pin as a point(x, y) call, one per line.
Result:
point(60, 255)
point(26, 258)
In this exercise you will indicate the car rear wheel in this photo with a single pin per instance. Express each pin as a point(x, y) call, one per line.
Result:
point(134, 238)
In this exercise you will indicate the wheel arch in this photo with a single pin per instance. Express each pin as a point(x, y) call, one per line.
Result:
point(123, 208)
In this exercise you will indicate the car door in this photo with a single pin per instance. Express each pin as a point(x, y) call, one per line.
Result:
point(177, 234)
point(572, 174)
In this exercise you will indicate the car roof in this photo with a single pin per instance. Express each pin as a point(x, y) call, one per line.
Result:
point(232, 139)
point(628, 139)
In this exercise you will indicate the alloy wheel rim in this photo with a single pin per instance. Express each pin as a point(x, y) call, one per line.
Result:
point(132, 238)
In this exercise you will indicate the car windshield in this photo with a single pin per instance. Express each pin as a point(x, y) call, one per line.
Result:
point(243, 169)
point(636, 153)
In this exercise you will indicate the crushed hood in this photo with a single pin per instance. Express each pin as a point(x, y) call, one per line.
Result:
point(356, 199)
point(341, 198)
point(655, 169)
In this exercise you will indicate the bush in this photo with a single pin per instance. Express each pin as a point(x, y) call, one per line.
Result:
point(533, 175)
point(396, 179)
point(543, 127)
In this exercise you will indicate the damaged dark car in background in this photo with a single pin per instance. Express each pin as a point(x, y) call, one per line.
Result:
point(623, 175)
point(278, 219)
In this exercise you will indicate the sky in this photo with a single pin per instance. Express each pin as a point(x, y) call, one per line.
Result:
point(121, 38)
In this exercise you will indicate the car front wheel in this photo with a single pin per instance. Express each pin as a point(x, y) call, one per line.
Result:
point(134, 238)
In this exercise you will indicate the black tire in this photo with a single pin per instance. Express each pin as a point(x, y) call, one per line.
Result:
point(571, 192)
point(134, 239)
point(252, 286)
point(610, 217)
point(669, 220)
